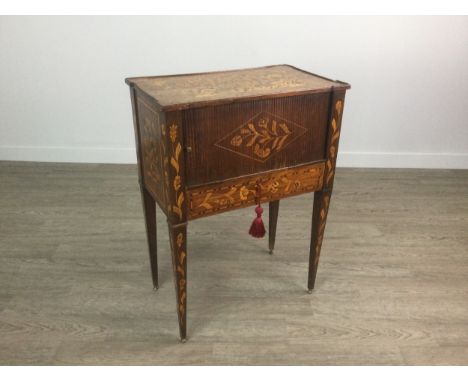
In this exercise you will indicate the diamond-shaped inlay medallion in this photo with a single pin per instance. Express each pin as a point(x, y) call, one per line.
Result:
point(261, 137)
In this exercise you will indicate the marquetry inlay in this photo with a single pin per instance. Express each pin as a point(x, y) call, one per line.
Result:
point(232, 194)
point(261, 137)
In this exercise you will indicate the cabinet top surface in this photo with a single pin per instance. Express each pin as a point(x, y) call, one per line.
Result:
point(199, 89)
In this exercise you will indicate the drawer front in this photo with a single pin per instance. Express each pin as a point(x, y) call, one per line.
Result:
point(247, 138)
point(245, 191)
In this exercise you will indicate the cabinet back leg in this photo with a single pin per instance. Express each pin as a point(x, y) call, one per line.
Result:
point(272, 220)
point(149, 209)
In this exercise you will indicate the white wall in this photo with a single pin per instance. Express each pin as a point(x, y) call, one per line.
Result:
point(63, 97)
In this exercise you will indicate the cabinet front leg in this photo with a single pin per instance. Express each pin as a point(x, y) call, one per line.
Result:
point(149, 207)
point(273, 218)
point(319, 219)
point(178, 238)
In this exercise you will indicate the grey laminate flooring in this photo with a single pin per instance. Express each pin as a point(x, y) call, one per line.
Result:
point(75, 288)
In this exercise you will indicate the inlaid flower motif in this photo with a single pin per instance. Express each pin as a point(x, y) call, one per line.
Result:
point(176, 182)
point(339, 106)
point(274, 186)
point(173, 132)
point(236, 141)
point(261, 152)
point(261, 136)
point(333, 142)
point(243, 193)
point(147, 125)
point(180, 239)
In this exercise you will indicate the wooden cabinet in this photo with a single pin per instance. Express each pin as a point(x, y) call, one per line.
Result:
point(212, 142)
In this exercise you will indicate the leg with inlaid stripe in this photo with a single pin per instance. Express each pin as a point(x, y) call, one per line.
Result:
point(178, 238)
point(319, 219)
point(149, 207)
point(273, 218)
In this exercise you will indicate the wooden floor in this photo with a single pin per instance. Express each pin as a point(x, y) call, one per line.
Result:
point(75, 287)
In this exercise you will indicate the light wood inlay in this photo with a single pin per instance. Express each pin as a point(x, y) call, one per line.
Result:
point(152, 153)
point(273, 185)
point(202, 87)
point(261, 136)
point(232, 139)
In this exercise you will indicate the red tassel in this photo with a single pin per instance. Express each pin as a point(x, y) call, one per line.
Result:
point(257, 229)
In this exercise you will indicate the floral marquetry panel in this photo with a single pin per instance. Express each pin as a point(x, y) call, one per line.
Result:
point(262, 136)
point(211, 199)
point(333, 142)
point(152, 150)
point(181, 91)
point(175, 173)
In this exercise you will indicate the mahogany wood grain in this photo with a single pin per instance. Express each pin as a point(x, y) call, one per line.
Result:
point(322, 197)
point(213, 142)
point(211, 133)
point(273, 208)
point(319, 220)
point(149, 207)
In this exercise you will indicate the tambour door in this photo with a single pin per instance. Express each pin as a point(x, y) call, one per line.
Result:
point(243, 138)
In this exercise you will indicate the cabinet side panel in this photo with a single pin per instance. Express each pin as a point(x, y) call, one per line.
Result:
point(246, 138)
point(150, 121)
